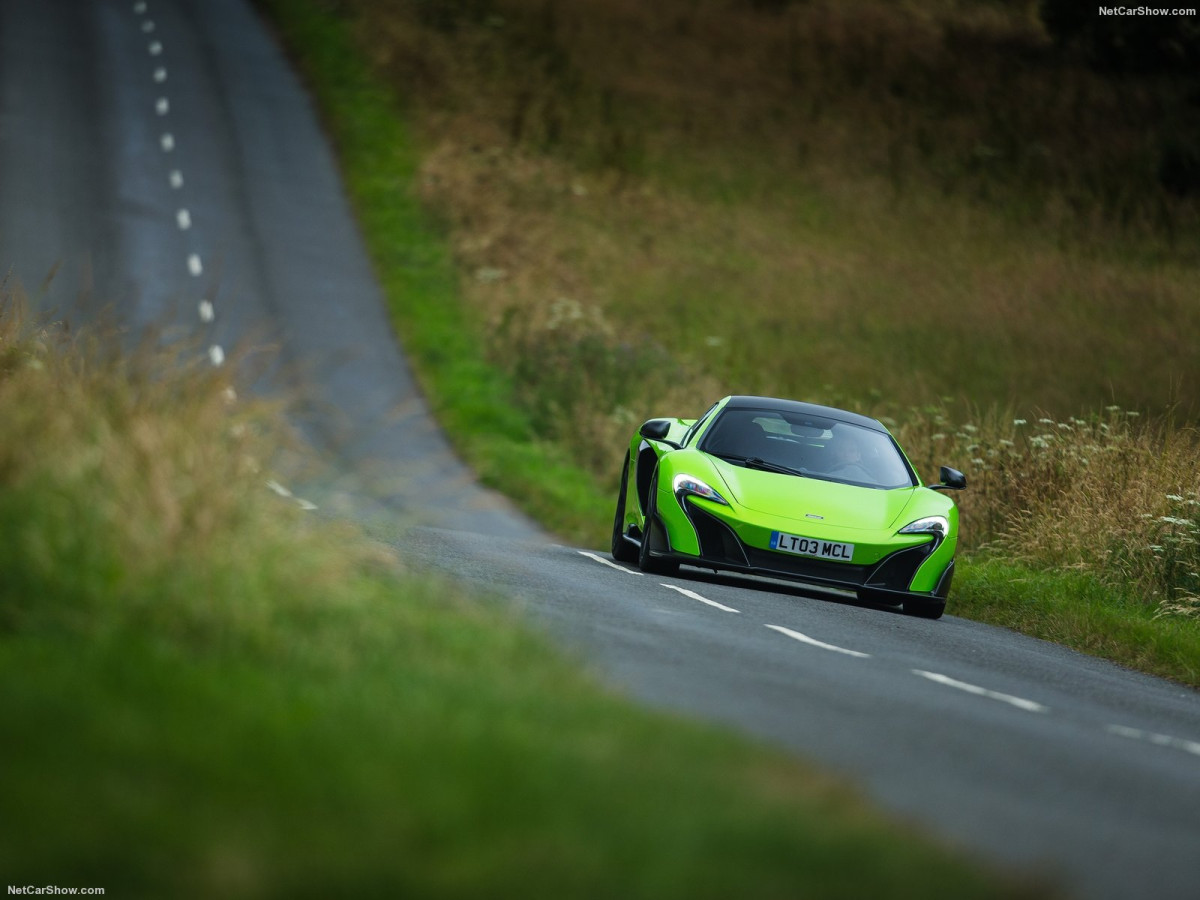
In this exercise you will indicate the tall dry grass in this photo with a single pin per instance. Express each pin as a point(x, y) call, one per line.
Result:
point(960, 96)
point(1113, 494)
point(825, 200)
point(133, 490)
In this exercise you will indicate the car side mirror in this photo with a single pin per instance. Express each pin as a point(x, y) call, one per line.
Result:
point(657, 430)
point(952, 480)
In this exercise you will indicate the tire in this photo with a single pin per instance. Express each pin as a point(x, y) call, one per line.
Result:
point(622, 550)
point(652, 565)
point(922, 608)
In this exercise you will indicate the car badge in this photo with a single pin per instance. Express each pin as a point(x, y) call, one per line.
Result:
point(812, 516)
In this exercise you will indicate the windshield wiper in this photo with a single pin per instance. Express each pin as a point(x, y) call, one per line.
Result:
point(757, 462)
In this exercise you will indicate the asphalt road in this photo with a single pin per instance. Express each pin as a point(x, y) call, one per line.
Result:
point(161, 162)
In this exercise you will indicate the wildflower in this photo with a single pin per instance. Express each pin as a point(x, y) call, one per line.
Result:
point(1176, 497)
point(1046, 421)
point(1020, 421)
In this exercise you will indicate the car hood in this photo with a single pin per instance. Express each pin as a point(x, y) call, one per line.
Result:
point(806, 499)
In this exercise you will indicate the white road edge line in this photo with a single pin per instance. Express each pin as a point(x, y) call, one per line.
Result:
point(1019, 702)
point(605, 562)
point(804, 638)
point(1162, 740)
point(694, 596)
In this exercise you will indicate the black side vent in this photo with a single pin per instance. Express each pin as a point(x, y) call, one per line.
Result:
point(646, 461)
point(897, 571)
point(717, 540)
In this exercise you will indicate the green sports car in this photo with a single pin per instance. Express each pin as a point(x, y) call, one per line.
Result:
point(788, 490)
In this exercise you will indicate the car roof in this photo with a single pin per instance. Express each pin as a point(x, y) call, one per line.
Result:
point(809, 409)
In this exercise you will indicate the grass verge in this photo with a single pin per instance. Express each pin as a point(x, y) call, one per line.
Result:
point(207, 692)
point(1082, 611)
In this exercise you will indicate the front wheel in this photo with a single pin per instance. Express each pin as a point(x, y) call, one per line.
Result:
point(647, 563)
point(622, 550)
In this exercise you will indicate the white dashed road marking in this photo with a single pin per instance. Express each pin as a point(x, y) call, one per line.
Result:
point(804, 638)
point(694, 596)
point(1019, 702)
point(605, 562)
point(1162, 740)
point(183, 219)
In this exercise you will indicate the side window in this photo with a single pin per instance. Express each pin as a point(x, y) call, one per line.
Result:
point(699, 423)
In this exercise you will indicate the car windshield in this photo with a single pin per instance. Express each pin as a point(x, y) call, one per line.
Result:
point(811, 446)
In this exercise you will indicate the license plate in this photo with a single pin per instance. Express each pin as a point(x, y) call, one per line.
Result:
point(804, 546)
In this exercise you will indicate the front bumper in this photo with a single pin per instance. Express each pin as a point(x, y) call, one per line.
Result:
point(891, 573)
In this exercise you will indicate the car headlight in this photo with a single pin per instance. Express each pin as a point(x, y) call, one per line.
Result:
point(686, 484)
point(935, 525)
